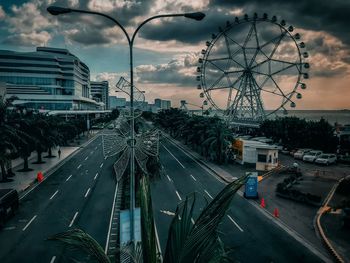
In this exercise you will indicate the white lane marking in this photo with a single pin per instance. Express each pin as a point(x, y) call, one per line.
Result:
point(174, 157)
point(53, 259)
point(201, 165)
point(79, 166)
point(31, 220)
point(193, 177)
point(169, 213)
point(235, 223)
point(192, 220)
point(87, 157)
point(95, 176)
point(106, 158)
point(168, 178)
point(74, 217)
point(111, 218)
point(9, 228)
point(178, 195)
point(68, 177)
point(101, 165)
point(96, 148)
point(208, 194)
point(52, 196)
point(91, 152)
point(87, 192)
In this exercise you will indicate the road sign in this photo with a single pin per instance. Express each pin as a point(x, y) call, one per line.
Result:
point(251, 185)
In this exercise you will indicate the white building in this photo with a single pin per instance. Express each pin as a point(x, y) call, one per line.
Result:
point(263, 155)
point(100, 92)
point(49, 79)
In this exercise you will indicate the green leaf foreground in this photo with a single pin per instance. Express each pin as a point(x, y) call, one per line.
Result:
point(187, 242)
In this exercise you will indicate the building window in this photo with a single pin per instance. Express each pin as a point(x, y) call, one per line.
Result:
point(262, 158)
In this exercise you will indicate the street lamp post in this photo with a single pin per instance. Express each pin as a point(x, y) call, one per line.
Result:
point(56, 10)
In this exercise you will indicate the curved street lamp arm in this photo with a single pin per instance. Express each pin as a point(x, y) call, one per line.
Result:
point(149, 19)
point(104, 15)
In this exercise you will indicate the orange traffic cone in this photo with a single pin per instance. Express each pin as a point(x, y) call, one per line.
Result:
point(276, 213)
point(262, 204)
point(40, 177)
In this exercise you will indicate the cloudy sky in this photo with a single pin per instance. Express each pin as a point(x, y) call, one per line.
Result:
point(167, 51)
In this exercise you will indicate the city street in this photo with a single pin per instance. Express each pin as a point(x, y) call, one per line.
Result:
point(79, 194)
point(246, 229)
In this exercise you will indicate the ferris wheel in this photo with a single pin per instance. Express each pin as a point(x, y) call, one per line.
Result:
point(252, 68)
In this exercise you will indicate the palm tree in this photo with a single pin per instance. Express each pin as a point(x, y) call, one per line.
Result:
point(8, 135)
point(219, 137)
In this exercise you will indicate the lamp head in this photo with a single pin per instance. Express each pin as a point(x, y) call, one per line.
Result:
point(56, 10)
point(196, 16)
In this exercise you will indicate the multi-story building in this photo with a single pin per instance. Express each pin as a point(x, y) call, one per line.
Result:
point(50, 79)
point(115, 102)
point(100, 92)
point(162, 104)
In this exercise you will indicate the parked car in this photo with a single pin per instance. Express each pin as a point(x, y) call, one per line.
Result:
point(8, 204)
point(299, 154)
point(311, 156)
point(326, 159)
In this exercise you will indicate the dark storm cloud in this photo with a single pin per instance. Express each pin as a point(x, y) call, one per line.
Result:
point(325, 15)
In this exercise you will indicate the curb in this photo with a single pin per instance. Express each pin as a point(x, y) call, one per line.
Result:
point(24, 192)
point(319, 228)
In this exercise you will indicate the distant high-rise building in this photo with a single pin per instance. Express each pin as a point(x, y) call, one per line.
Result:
point(162, 104)
point(115, 102)
point(49, 78)
point(99, 92)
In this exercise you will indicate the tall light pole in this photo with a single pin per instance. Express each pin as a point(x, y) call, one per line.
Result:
point(56, 10)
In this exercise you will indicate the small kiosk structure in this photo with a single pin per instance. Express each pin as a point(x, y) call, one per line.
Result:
point(263, 155)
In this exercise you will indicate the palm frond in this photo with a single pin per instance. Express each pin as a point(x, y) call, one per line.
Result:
point(79, 239)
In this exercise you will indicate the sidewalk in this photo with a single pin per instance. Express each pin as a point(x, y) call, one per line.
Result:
point(23, 180)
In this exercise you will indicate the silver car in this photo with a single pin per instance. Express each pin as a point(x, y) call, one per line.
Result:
point(326, 158)
point(311, 156)
point(299, 154)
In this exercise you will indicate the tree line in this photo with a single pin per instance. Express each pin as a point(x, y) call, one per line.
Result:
point(209, 136)
point(25, 131)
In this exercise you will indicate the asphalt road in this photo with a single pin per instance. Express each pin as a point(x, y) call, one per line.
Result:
point(79, 194)
point(253, 236)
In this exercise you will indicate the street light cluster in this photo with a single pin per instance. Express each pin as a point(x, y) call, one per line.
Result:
point(56, 10)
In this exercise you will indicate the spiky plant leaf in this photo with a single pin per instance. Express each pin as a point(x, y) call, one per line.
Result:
point(199, 242)
point(79, 239)
point(147, 223)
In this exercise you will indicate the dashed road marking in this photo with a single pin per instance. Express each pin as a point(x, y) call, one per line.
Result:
point(31, 220)
point(53, 259)
point(74, 217)
point(9, 228)
point(68, 178)
point(178, 195)
point(52, 196)
point(79, 166)
point(208, 194)
point(168, 178)
point(192, 220)
point(174, 157)
point(193, 177)
point(234, 222)
point(101, 165)
point(95, 176)
point(87, 157)
point(87, 192)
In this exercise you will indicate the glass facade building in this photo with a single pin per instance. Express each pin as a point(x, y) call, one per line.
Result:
point(100, 92)
point(49, 78)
